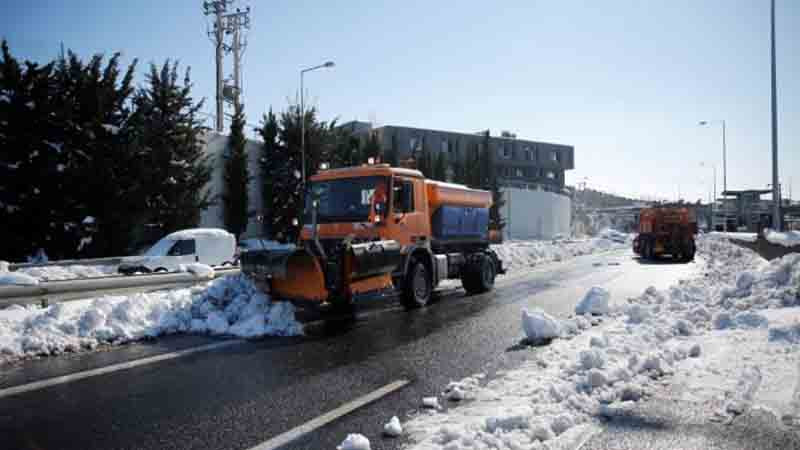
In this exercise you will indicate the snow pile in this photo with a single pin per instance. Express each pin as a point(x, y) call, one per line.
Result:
point(594, 302)
point(200, 270)
point(354, 442)
point(230, 306)
point(747, 237)
point(72, 272)
point(517, 255)
point(539, 326)
point(786, 239)
point(16, 278)
point(662, 335)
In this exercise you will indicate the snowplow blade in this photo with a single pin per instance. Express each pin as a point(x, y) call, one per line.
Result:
point(265, 264)
point(303, 281)
point(373, 258)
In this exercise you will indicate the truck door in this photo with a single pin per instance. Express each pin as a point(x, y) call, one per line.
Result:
point(410, 222)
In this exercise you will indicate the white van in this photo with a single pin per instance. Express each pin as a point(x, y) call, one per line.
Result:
point(211, 246)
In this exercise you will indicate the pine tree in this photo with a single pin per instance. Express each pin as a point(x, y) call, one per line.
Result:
point(169, 142)
point(237, 176)
point(29, 167)
point(289, 198)
point(274, 166)
point(93, 109)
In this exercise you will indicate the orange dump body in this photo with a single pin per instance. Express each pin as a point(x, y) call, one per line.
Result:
point(440, 193)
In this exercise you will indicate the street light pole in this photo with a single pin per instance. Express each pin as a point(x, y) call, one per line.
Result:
point(724, 153)
point(776, 192)
point(328, 64)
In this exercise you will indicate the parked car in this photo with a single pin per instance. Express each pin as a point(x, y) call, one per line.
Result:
point(211, 246)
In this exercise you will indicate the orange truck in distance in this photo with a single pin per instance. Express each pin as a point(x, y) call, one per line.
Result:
point(374, 230)
point(666, 230)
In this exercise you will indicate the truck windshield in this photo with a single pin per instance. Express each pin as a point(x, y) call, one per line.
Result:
point(346, 199)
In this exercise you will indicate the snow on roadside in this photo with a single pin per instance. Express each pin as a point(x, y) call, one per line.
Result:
point(521, 254)
point(72, 272)
point(662, 338)
point(739, 236)
point(786, 238)
point(230, 306)
point(18, 279)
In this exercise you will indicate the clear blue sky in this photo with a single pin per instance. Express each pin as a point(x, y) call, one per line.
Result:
point(625, 82)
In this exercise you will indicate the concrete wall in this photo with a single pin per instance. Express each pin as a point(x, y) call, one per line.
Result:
point(535, 214)
point(216, 146)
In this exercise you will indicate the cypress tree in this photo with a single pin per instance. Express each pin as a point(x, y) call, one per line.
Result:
point(274, 166)
point(237, 176)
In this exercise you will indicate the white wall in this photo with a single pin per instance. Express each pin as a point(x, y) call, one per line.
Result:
point(216, 145)
point(532, 214)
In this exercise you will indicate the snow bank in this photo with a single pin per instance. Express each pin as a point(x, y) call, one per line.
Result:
point(594, 302)
point(660, 336)
point(786, 239)
point(201, 270)
point(16, 278)
point(747, 237)
point(517, 255)
point(230, 306)
point(72, 272)
point(540, 326)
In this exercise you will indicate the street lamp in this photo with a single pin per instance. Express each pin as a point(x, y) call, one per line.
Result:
point(326, 65)
point(714, 199)
point(724, 161)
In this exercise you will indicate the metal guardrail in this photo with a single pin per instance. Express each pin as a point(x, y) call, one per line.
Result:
point(113, 260)
point(66, 290)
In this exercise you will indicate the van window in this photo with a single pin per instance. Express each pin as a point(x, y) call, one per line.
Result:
point(183, 247)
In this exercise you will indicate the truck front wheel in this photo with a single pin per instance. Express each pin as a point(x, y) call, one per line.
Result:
point(417, 287)
point(478, 276)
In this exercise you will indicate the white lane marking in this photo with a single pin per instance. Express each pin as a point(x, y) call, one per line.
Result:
point(296, 432)
point(7, 392)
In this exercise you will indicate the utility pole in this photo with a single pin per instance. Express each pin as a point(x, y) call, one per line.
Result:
point(227, 24)
point(776, 192)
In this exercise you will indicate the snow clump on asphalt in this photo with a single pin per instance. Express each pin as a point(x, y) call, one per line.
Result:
point(354, 442)
point(393, 427)
point(594, 302)
point(230, 306)
point(707, 331)
point(539, 326)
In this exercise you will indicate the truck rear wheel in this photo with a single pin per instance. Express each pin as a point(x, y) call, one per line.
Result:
point(478, 276)
point(418, 286)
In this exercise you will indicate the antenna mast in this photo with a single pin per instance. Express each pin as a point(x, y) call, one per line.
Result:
point(227, 25)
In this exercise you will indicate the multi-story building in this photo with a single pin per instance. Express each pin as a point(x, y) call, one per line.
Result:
point(531, 173)
point(519, 163)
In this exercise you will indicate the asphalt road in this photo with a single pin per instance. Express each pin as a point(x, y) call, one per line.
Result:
point(248, 393)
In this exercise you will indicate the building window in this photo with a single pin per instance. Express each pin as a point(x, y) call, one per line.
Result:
point(445, 146)
point(519, 172)
point(553, 155)
point(527, 153)
point(413, 144)
point(504, 151)
point(551, 174)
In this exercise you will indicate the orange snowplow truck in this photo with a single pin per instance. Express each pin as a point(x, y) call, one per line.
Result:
point(373, 231)
point(666, 230)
